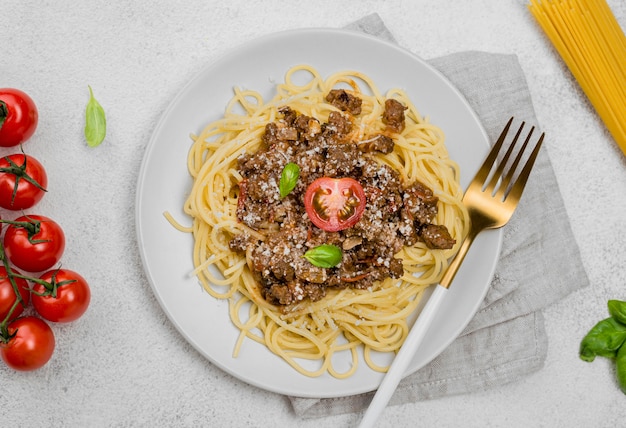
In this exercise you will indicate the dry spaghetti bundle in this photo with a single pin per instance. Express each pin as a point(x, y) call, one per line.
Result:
point(593, 46)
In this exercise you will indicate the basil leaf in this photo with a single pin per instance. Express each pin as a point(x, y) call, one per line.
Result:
point(288, 179)
point(324, 256)
point(617, 309)
point(95, 122)
point(620, 368)
point(603, 340)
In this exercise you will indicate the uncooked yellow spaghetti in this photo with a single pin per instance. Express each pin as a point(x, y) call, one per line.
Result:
point(308, 333)
point(593, 46)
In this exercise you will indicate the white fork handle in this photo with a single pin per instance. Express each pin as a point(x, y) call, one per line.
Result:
point(403, 358)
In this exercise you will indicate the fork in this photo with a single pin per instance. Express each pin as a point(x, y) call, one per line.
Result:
point(490, 199)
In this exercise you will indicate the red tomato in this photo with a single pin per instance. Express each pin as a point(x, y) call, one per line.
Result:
point(334, 204)
point(18, 117)
point(64, 298)
point(23, 182)
point(8, 296)
point(34, 243)
point(31, 347)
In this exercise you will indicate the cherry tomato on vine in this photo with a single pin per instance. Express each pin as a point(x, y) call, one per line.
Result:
point(23, 182)
point(31, 345)
point(61, 295)
point(334, 204)
point(18, 117)
point(8, 296)
point(33, 243)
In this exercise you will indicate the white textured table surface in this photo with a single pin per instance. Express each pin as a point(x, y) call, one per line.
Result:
point(124, 364)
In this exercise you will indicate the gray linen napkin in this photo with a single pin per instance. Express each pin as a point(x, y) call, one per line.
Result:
point(539, 262)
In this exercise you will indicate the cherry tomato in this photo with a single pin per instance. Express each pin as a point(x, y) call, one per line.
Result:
point(18, 117)
point(8, 297)
point(334, 204)
point(23, 182)
point(64, 298)
point(34, 243)
point(31, 347)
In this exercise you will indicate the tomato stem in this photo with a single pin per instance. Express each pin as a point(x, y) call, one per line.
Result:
point(4, 112)
point(4, 332)
point(50, 287)
point(5, 336)
point(32, 227)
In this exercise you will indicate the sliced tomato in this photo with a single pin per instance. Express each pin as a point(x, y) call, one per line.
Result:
point(334, 204)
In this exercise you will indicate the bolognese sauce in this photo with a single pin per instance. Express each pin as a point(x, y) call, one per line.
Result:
point(395, 214)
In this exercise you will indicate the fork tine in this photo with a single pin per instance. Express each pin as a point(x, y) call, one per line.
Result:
point(505, 187)
point(483, 171)
point(498, 173)
point(518, 186)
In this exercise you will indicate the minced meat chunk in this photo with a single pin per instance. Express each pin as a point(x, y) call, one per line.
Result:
point(338, 125)
point(393, 116)
point(379, 143)
point(345, 101)
point(437, 236)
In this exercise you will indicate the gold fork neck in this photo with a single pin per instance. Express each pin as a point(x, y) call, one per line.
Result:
point(455, 264)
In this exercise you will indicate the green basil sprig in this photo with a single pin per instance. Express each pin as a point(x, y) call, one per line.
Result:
point(603, 340)
point(617, 309)
point(95, 122)
point(288, 179)
point(324, 256)
point(608, 339)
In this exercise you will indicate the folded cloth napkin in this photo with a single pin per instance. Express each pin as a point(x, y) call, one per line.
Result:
point(539, 261)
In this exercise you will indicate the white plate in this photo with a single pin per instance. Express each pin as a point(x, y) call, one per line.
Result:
point(164, 184)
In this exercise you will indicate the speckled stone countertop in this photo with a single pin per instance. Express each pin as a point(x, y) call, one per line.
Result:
point(124, 363)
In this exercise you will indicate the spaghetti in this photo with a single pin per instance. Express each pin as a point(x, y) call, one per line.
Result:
point(310, 334)
point(593, 46)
